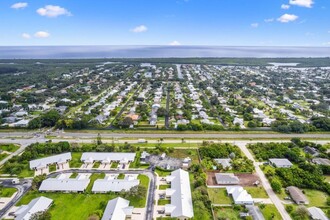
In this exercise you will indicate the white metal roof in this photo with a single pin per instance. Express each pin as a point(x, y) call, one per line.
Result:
point(317, 213)
point(114, 185)
point(279, 162)
point(62, 183)
point(117, 209)
point(181, 201)
point(36, 205)
point(226, 178)
point(239, 194)
point(43, 162)
point(107, 156)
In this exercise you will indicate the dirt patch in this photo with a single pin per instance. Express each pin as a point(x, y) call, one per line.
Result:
point(245, 179)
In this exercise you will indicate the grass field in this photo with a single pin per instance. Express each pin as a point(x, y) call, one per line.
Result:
point(256, 192)
point(7, 192)
point(75, 206)
point(3, 156)
point(219, 196)
point(315, 197)
point(9, 147)
point(183, 153)
point(226, 213)
point(270, 212)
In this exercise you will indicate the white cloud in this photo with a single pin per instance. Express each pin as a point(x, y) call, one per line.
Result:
point(302, 3)
point(19, 5)
point(53, 11)
point(26, 36)
point(255, 25)
point(285, 7)
point(175, 43)
point(287, 18)
point(268, 20)
point(139, 29)
point(41, 34)
point(327, 43)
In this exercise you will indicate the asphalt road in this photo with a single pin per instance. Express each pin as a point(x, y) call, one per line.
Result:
point(277, 202)
point(21, 190)
point(171, 135)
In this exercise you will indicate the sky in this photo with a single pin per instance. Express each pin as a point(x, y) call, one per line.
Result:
point(165, 22)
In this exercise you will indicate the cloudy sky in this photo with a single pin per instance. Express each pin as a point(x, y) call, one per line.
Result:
point(165, 22)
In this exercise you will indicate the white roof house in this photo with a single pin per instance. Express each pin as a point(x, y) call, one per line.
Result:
point(225, 162)
point(317, 214)
point(117, 209)
point(281, 163)
point(44, 162)
point(181, 200)
point(109, 184)
point(239, 195)
point(64, 184)
point(107, 157)
point(40, 204)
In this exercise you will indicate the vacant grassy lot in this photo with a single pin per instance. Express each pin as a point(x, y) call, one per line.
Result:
point(7, 192)
point(257, 192)
point(270, 212)
point(183, 153)
point(226, 213)
point(219, 196)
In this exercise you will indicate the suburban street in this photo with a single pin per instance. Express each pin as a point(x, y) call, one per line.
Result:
point(27, 138)
point(22, 189)
point(277, 202)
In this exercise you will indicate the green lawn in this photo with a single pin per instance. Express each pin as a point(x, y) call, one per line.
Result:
point(163, 187)
point(114, 165)
point(315, 197)
point(71, 206)
point(92, 178)
point(183, 153)
point(327, 178)
point(164, 201)
point(256, 192)
point(270, 212)
point(3, 156)
point(73, 175)
point(219, 196)
point(96, 164)
point(9, 147)
point(162, 172)
point(76, 206)
point(76, 162)
point(121, 176)
point(7, 192)
point(226, 213)
point(52, 168)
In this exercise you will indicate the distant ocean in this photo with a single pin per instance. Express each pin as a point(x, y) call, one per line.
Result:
point(66, 52)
